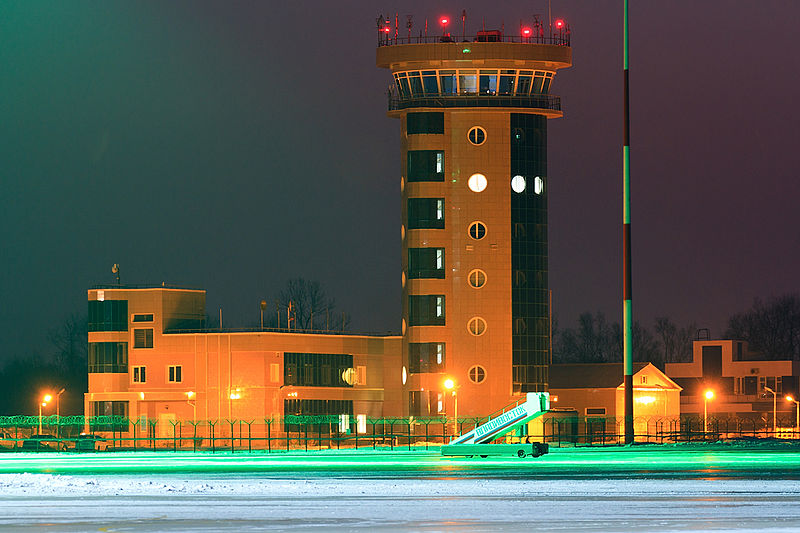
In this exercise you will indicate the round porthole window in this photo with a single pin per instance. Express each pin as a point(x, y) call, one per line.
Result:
point(518, 184)
point(477, 230)
point(477, 182)
point(476, 135)
point(476, 326)
point(476, 374)
point(477, 278)
point(538, 185)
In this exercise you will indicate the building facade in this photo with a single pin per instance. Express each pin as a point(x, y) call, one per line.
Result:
point(739, 380)
point(151, 359)
point(474, 185)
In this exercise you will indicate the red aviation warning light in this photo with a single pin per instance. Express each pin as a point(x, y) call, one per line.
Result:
point(387, 29)
point(526, 32)
point(444, 21)
point(559, 24)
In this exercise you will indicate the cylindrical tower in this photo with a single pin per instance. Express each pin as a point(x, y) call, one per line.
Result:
point(473, 120)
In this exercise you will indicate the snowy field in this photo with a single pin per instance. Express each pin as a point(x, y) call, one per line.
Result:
point(567, 490)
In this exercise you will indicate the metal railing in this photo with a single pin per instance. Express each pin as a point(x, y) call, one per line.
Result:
point(63, 434)
point(560, 38)
point(532, 101)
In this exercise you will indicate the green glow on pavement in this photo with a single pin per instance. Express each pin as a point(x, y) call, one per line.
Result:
point(646, 461)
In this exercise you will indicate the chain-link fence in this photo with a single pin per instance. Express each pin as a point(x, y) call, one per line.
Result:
point(113, 433)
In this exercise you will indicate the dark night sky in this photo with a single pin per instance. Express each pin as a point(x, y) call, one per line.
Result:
point(233, 145)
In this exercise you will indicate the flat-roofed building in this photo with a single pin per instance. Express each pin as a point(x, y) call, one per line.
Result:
point(150, 357)
point(737, 377)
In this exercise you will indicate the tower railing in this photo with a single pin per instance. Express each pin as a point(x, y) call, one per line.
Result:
point(561, 38)
point(534, 101)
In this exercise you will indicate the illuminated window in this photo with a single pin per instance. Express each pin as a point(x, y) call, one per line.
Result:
point(143, 338)
point(538, 185)
point(426, 263)
point(174, 374)
point(476, 326)
point(139, 374)
point(425, 165)
point(425, 213)
point(425, 357)
point(477, 278)
point(143, 318)
point(518, 184)
point(476, 135)
point(477, 182)
point(426, 310)
point(476, 374)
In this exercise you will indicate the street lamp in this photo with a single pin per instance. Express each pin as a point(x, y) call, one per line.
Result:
point(797, 420)
point(58, 411)
point(450, 385)
point(709, 395)
point(189, 397)
point(774, 411)
point(43, 403)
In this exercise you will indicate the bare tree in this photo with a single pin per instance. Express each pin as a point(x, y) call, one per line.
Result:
point(676, 343)
point(772, 328)
point(309, 307)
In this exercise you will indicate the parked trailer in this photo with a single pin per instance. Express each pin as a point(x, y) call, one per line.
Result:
point(533, 449)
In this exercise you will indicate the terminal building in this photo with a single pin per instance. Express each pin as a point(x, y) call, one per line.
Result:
point(473, 114)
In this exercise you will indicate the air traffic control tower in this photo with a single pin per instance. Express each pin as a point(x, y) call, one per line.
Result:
point(473, 116)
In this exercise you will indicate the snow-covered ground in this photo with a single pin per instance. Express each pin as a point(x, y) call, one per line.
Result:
point(42, 502)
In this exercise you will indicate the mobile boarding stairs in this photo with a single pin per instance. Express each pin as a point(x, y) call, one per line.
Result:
point(477, 442)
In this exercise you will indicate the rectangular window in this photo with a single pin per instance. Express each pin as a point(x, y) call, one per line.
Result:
point(425, 357)
point(318, 369)
point(425, 403)
point(108, 416)
point(108, 357)
point(467, 81)
point(426, 310)
point(174, 374)
point(422, 123)
point(425, 213)
point(143, 318)
point(416, 83)
point(139, 374)
point(298, 413)
point(108, 315)
point(595, 411)
point(426, 263)
point(488, 82)
point(507, 81)
point(429, 82)
point(143, 338)
point(361, 375)
point(448, 82)
point(425, 165)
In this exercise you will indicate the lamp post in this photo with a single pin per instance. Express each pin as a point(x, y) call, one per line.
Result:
point(43, 403)
point(774, 411)
point(708, 395)
point(797, 419)
point(450, 385)
point(189, 397)
point(58, 411)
